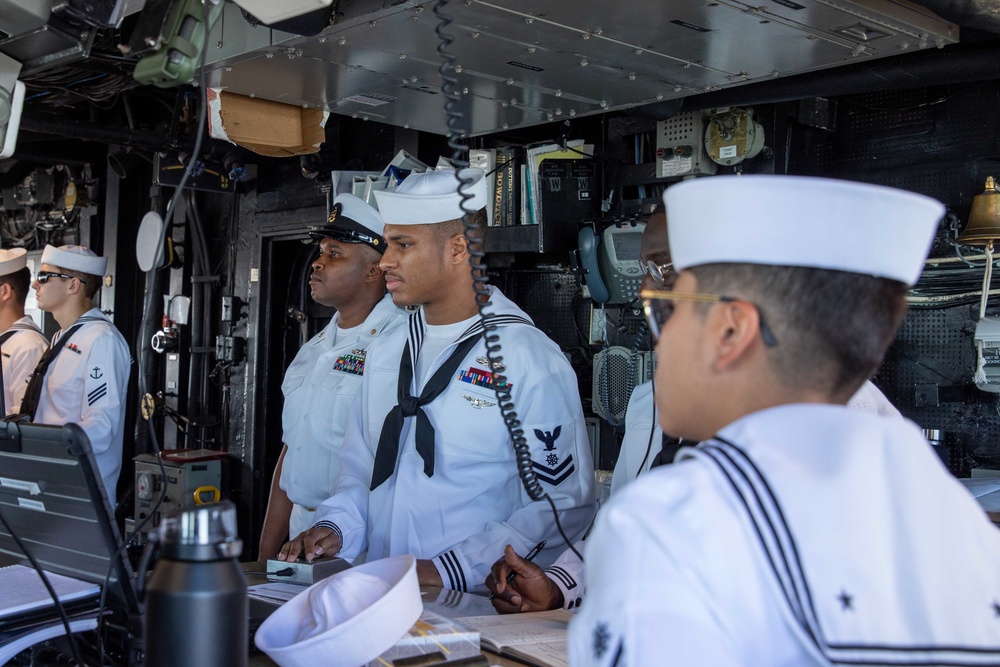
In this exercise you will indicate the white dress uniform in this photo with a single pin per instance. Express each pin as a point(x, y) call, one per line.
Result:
point(639, 448)
point(21, 353)
point(642, 441)
point(748, 551)
point(87, 385)
point(870, 399)
point(643, 438)
point(474, 503)
point(319, 388)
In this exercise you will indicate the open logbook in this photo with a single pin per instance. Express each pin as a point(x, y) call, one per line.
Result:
point(537, 638)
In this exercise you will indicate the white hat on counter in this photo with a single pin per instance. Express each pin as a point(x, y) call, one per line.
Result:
point(432, 197)
point(75, 258)
point(801, 221)
point(13, 260)
point(346, 620)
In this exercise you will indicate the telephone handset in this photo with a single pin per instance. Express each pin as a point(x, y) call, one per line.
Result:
point(612, 268)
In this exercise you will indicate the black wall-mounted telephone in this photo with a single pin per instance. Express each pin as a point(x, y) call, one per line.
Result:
point(611, 267)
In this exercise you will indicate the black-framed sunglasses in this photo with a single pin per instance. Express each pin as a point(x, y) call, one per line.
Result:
point(44, 276)
point(659, 306)
point(663, 274)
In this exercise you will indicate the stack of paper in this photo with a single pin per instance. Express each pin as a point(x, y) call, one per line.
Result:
point(22, 590)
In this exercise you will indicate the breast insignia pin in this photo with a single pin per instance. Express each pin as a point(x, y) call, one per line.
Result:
point(478, 403)
point(498, 366)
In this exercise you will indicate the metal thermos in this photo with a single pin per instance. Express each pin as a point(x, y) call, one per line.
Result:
point(196, 600)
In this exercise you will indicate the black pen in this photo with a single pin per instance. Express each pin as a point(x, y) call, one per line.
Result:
point(537, 549)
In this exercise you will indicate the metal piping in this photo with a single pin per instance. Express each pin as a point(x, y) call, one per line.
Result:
point(74, 129)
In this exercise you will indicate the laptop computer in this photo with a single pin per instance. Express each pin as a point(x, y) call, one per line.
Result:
point(52, 496)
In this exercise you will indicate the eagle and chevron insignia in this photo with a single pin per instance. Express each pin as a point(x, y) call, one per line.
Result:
point(552, 471)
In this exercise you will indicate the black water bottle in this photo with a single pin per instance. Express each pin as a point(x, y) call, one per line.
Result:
point(196, 601)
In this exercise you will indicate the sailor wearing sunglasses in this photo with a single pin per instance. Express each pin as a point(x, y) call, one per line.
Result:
point(799, 531)
point(83, 377)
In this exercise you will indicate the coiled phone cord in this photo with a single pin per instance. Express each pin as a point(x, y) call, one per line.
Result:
point(478, 268)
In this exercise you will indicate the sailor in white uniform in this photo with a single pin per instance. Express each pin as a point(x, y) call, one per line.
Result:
point(325, 375)
point(428, 466)
point(83, 377)
point(798, 532)
point(21, 341)
point(644, 446)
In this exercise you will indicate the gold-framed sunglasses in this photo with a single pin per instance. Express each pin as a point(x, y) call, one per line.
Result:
point(659, 306)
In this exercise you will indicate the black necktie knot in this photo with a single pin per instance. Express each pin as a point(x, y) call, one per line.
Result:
point(408, 405)
point(411, 406)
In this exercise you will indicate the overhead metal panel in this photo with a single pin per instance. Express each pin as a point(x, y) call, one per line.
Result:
point(521, 63)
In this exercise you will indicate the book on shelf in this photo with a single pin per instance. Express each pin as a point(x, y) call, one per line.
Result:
point(486, 159)
point(525, 216)
point(506, 196)
point(574, 150)
point(22, 591)
point(536, 638)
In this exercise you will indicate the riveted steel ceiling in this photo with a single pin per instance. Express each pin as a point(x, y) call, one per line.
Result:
point(521, 63)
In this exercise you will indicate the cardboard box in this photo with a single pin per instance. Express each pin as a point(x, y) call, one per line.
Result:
point(265, 127)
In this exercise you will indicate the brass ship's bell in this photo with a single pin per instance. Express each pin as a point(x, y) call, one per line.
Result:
point(984, 220)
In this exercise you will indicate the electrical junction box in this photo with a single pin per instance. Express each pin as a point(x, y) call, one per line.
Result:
point(193, 477)
point(680, 146)
point(988, 332)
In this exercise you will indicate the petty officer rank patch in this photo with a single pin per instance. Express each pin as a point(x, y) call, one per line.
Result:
point(481, 378)
point(552, 471)
point(353, 363)
point(96, 385)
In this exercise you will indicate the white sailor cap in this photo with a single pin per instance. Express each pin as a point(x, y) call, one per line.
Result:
point(75, 258)
point(432, 197)
point(801, 221)
point(346, 620)
point(13, 260)
point(352, 221)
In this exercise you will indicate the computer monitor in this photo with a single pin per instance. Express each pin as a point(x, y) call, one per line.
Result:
point(52, 496)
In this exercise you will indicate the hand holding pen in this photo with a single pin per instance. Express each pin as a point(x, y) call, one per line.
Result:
point(534, 590)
